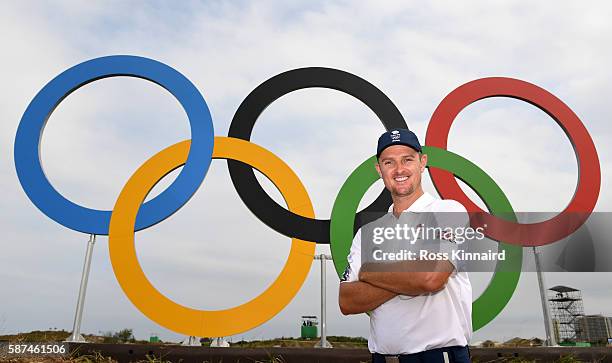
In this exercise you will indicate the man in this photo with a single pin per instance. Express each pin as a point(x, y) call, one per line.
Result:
point(418, 314)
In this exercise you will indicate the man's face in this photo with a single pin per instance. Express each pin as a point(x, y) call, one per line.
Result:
point(400, 168)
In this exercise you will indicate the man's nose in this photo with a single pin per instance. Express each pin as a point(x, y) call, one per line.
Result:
point(400, 168)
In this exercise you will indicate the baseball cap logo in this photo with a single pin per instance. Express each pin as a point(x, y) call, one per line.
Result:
point(395, 135)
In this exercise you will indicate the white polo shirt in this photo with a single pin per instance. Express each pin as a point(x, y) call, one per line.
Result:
point(407, 324)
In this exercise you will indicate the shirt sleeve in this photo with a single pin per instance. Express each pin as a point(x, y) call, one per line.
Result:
point(351, 273)
point(453, 218)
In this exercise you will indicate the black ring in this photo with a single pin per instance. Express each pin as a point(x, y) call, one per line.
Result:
point(243, 177)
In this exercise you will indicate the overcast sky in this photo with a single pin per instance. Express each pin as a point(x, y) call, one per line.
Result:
point(214, 253)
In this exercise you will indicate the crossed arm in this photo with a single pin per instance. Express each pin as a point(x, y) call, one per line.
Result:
point(378, 284)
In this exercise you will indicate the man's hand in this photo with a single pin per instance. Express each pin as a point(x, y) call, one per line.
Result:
point(407, 278)
point(359, 297)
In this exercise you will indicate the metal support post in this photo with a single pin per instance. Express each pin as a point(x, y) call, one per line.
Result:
point(323, 343)
point(219, 342)
point(76, 336)
point(550, 336)
point(192, 341)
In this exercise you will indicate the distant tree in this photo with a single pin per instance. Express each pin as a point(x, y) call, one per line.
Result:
point(205, 341)
point(125, 336)
point(122, 336)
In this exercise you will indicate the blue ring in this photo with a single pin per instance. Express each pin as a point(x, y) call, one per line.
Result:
point(79, 218)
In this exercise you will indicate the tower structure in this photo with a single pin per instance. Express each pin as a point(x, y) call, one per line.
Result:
point(567, 310)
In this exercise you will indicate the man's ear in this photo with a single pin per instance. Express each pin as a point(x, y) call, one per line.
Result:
point(423, 162)
point(378, 169)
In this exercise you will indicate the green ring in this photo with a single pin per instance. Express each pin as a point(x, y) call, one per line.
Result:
point(507, 273)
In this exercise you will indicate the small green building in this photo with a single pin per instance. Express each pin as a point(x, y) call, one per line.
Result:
point(309, 327)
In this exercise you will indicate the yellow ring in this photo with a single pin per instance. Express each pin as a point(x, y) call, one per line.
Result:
point(207, 323)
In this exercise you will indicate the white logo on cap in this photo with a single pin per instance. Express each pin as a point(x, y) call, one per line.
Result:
point(395, 135)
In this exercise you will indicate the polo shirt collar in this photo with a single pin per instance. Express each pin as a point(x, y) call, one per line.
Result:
point(419, 205)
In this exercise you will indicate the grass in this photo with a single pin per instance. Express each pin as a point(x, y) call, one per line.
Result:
point(336, 341)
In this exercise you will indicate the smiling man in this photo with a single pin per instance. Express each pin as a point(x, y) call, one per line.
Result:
point(420, 311)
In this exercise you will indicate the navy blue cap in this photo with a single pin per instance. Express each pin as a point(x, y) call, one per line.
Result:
point(397, 137)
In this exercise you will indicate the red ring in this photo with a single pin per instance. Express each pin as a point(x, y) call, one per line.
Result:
point(589, 174)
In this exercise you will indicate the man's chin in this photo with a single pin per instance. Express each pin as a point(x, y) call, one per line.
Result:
point(403, 192)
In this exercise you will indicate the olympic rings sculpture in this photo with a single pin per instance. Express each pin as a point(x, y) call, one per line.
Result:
point(131, 214)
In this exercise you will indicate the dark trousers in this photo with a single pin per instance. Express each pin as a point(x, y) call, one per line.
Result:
point(455, 354)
